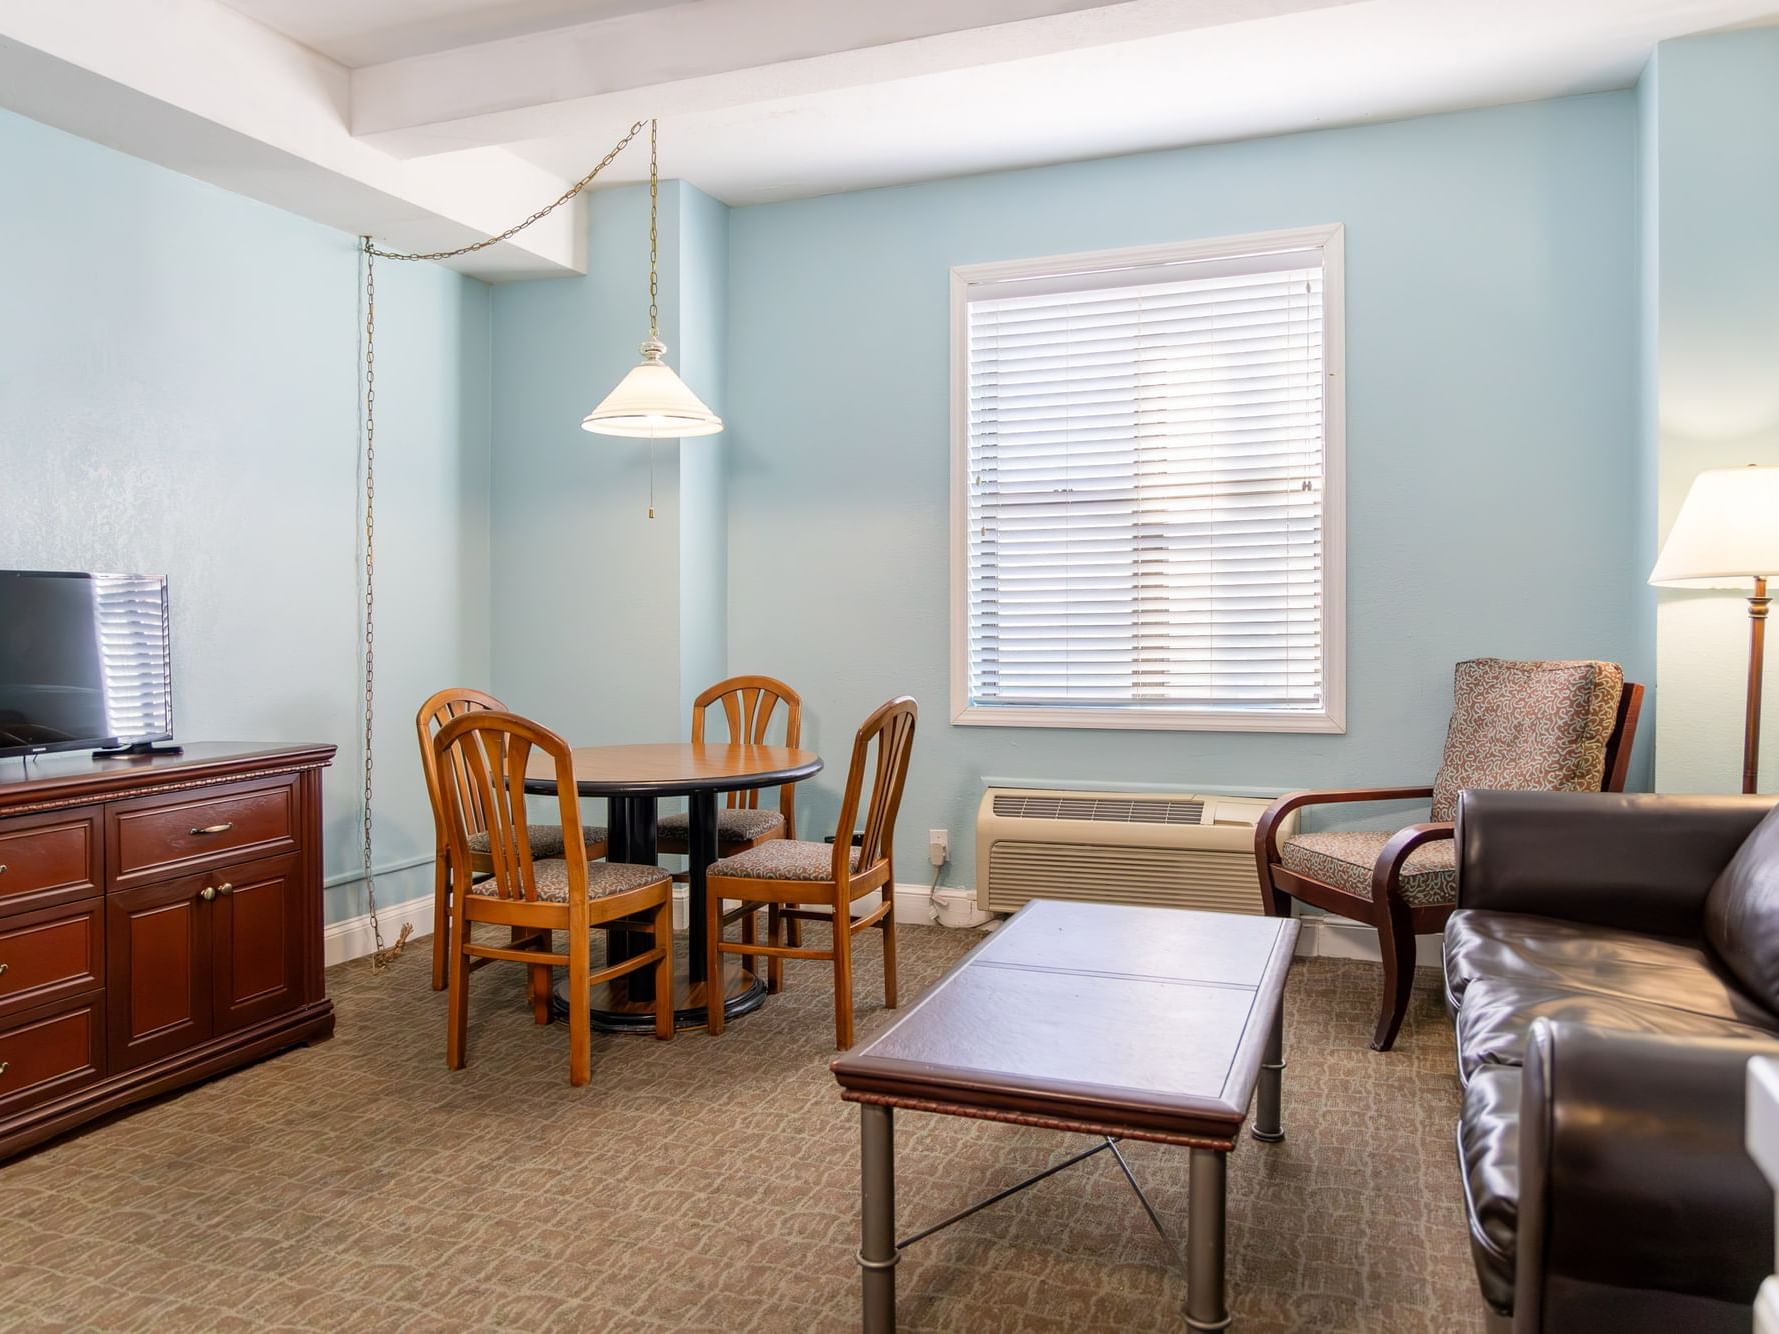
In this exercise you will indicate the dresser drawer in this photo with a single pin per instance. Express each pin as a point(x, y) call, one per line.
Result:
point(47, 859)
point(51, 955)
point(50, 1051)
point(158, 837)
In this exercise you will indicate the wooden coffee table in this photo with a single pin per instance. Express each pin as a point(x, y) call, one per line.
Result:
point(1122, 1023)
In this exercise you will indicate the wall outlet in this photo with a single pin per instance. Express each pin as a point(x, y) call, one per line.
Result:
point(938, 846)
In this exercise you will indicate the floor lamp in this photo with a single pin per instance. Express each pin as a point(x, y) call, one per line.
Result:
point(1726, 534)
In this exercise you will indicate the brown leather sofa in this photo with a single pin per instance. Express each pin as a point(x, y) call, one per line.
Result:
point(1612, 965)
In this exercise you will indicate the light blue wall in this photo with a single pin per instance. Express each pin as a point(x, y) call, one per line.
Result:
point(1712, 213)
point(1492, 270)
point(178, 394)
point(607, 622)
point(702, 288)
point(585, 585)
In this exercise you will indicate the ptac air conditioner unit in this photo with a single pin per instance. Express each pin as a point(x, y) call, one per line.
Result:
point(1163, 849)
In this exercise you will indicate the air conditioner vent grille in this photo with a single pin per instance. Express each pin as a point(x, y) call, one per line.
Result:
point(1099, 810)
point(1162, 877)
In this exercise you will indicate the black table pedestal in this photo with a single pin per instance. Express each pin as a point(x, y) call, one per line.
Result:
point(628, 1004)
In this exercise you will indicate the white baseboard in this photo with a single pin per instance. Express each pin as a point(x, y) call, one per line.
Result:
point(1322, 937)
point(1337, 938)
point(351, 938)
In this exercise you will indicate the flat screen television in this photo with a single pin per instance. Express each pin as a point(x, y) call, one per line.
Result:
point(85, 662)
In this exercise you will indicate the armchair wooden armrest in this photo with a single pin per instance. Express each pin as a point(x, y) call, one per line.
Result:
point(1386, 874)
point(1266, 832)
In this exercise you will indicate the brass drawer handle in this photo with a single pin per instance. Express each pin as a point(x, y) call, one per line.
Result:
point(5, 1066)
point(2, 868)
point(3, 968)
point(213, 829)
point(207, 894)
point(225, 888)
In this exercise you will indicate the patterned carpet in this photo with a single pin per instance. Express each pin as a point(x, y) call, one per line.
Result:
point(711, 1184)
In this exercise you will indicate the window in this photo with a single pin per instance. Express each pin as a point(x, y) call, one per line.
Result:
point(1147, 488)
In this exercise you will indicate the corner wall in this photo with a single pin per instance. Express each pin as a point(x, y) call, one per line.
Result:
point(1710, 215)
point(607, 622)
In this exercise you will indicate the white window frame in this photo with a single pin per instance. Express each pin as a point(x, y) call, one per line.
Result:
point(1329, 240)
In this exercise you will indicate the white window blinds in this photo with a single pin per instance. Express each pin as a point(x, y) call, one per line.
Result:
point(1146, 477)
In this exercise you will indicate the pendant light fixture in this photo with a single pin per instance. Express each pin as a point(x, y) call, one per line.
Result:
point(652, 402)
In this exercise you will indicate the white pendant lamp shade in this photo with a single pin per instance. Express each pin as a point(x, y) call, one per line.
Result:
point(652, 402)
point(1727, 531)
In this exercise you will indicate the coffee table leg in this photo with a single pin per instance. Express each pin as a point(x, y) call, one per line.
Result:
point(1205, 1309)
point(877, 1217)
point(1267, 1125)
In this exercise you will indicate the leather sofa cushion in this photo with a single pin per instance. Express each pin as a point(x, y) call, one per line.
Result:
point(1531, 725)
point(1498, 1013)
point(1543, 951)
point(1489, 1154)
point(1742, 912)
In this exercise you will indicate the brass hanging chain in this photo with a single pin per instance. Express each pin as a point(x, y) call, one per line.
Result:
point(382, 957)
point(542, 213)
point(654, 284)
point(654, 237)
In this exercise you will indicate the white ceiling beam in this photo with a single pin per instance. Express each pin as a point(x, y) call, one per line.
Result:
point(695, 58)
point(195, 86)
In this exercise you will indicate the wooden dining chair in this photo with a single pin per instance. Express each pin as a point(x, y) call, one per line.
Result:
point(749, 705)
point(546, 839)
point(535, 897)
point(792, 878)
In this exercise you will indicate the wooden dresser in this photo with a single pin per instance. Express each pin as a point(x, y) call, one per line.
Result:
point(160, 922)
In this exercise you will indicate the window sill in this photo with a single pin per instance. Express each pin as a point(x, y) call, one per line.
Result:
point(1151, 720)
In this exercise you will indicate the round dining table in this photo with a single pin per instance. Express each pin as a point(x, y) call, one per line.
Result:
point(633, 779)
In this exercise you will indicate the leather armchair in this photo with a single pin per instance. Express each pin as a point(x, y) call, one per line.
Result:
point(1606, 1181)
point(1639, 1208)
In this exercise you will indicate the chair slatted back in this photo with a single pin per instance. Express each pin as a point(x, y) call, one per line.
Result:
point(447, 704)
point(491, 749)
point(749, 704)
point(882, 747)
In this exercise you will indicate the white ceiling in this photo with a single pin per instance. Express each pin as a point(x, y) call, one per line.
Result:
point(368, 32)
point(768, 99)
point(429, 122)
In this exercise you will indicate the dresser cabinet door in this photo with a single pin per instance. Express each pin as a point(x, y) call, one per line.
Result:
point(158, 960)
point(256, 942)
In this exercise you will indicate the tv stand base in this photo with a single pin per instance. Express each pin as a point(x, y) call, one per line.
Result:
point(137, 750)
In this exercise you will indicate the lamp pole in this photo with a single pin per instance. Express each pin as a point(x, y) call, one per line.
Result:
point(1757, 635)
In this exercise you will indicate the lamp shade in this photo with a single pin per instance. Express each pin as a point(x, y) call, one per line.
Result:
point(652, 401)
point(1727, 531)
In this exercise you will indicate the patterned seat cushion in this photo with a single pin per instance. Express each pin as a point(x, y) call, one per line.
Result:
point(604, 879)
point(1534, 726)
point(546, 839)
point(1344, 858)
point(783, 859)
point(735, 824)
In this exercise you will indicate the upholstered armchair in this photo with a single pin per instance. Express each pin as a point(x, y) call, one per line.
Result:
point(1545, 726)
